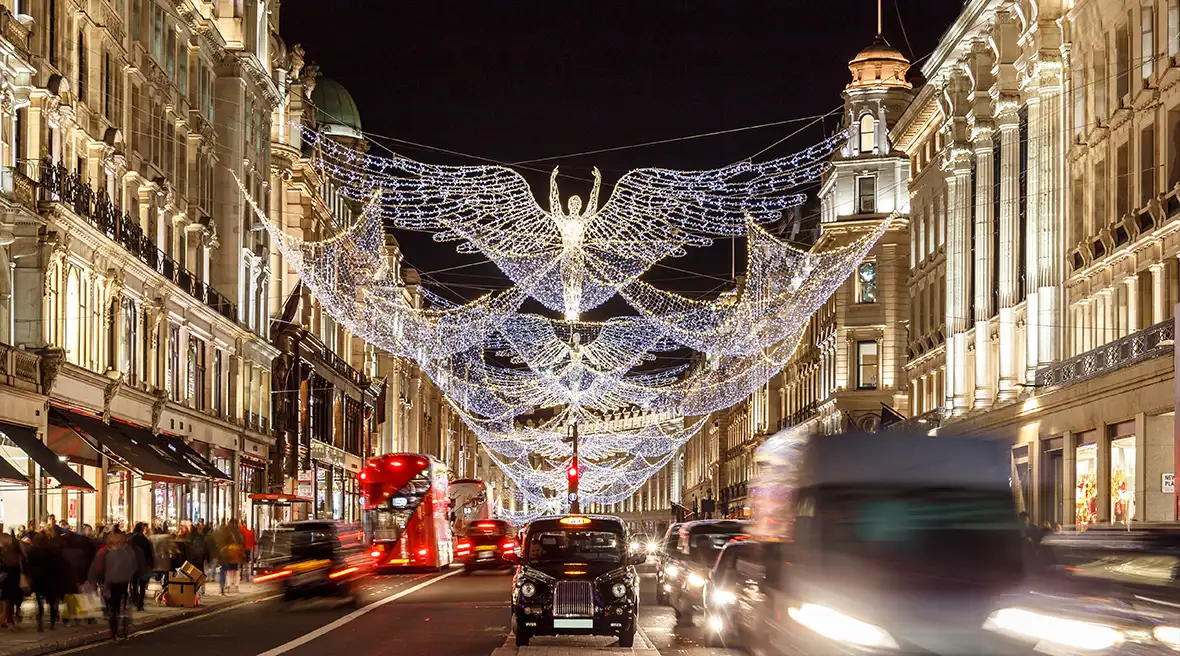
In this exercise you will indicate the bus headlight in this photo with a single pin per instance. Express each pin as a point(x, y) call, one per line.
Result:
point(1059, 630)
point(528, 589)
point(840, 627)
point(618, 590)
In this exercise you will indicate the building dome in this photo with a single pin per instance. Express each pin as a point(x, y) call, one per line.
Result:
point(335, 110)
point(879, 65)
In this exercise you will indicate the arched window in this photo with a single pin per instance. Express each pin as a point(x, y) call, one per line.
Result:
point(868, 133)
point(73, 318)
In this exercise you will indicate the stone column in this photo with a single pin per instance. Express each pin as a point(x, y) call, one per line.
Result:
point(1032, 314)
point(958, 272)
point(1051, 222)
point(984, 227)
point(1009, 248)
point(1159, 293)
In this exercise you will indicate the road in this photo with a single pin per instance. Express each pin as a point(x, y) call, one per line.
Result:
point(406, 615)
point(445, 614)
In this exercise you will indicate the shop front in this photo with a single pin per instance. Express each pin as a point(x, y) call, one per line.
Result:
point(26, 458)
point(333, 485)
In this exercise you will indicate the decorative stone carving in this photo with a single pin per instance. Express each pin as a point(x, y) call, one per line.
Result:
point(296, 61)
point(307, 78)
point(108, 397)
point(52, 359)
point(158, 405)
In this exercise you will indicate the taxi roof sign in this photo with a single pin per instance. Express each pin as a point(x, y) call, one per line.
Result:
point(575, 521)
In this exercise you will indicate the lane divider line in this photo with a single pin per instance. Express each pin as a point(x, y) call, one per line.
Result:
point(356, 614)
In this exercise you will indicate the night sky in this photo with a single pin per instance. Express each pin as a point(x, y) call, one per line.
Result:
point(518, 81)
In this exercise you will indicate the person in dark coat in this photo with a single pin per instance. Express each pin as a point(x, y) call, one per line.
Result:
point(78, 552)
point(49, 574)
point(12, 566)
point(143, 547)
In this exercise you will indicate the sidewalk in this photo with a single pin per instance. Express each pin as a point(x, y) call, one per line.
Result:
point(26, 641)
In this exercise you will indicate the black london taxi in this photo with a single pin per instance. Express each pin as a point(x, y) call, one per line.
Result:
point(576, 576)
point(314, 558)
point(486, 546)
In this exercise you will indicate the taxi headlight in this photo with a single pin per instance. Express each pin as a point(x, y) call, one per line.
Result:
point(528, 589)
point(671, 571)
point(1169, 635)
point(695, 581)
point(723, 597)
point(653, 547)
point(840, 627)
point(634, 546)
point(1058, 630)
point(618, 590)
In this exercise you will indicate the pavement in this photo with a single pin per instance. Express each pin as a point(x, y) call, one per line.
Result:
point(435, 614)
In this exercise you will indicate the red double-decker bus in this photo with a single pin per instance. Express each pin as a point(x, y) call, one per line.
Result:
point(405, 511)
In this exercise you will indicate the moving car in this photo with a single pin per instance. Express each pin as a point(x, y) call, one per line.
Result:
point(665, 553)
point(687, 571)
point(886, 543)
point(486, 546)
point(733, 593)
point(577, 577)
point(314, 558)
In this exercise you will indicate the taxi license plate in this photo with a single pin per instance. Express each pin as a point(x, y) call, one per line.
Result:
point(572, 624)
point(486, 555)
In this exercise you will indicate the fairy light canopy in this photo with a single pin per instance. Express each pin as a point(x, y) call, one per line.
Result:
point(498, 363)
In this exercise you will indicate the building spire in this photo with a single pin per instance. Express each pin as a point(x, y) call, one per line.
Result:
point(878, 17)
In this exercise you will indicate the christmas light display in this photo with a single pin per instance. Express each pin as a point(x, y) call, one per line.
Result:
point(497, 364)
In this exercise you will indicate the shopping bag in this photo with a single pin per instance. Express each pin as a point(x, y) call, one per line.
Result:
point(89, 605)
point(73, 607)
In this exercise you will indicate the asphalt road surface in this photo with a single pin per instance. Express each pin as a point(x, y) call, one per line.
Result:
point(444, 614)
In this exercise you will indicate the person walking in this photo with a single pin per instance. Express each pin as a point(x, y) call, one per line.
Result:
point(78, 553)
point(12, 570)
point(249, 542)
point(48, 574)
point(114, 568)
point(147, 558)
point(229, 554)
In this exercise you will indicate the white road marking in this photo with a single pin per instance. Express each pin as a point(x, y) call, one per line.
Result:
point(328, 628)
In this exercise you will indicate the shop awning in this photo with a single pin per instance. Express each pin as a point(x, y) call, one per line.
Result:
point(10, 474)
point(143, 438)
point(26, 440)
point(265, 498)
point(181, 449)
point(133, 452)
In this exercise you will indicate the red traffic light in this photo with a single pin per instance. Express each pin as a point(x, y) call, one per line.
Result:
point(573, 471)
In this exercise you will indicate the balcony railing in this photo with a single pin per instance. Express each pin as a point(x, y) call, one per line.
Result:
point(801, 415)
point(57, 184)
point(1151, 342)
point(19, 368)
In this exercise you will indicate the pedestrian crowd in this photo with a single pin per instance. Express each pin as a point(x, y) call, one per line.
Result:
point(79, 576)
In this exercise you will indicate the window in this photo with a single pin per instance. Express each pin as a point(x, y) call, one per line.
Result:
point(174, 384)
point(170, 55)
point(131, 342)
point(218, 386)
point(1100, 217)
point(1122, 59)
point(866, 283)
point(196, 373)
point(157, 34)
point(1122, 187)
point(81, 66)
point(136, 20)
point(249, 121)
point(1101, 83)
point(1147, 40)
point(868, 134)
point(1173, 28)
point(108, 88)
point(1173, 141)
point(182, 67)
point(73, 318)
point(1146, 164)
point(866, 365)
point(866, 194)
point(51, 22)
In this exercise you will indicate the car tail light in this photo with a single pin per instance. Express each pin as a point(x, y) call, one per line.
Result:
point(273, 576)
point(342, 572)
point(423, 552)
point(508, 546)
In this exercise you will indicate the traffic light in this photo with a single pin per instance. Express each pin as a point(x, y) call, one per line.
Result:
point(572, 477)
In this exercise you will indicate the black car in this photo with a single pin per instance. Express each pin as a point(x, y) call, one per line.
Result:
point(687, 570)
point(733, 593)
point(315, 558)
point(487, 545)
point(665, 557)
point(577, 577)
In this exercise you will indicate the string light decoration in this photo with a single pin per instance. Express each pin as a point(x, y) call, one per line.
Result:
point(497, 364)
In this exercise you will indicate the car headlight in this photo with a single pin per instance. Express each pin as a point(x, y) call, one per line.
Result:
point(1169, 635)
point(723, 597)
point(653, 547)
point(618, 590)
point(716, 625)
point(528, 589)
point(1059, 630)
point(840, 627)
point(695, 580)
point(671, 571)
point(634, 546)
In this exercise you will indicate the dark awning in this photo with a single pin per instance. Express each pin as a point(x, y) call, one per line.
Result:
point(132, 452)
point(10, 474)
point(143, 438)
point(181, 449)
point(26, 440)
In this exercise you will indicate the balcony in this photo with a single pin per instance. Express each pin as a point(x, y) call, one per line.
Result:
point(58, 185)
point(16, 32)
point(20, 369)
point(1151, 342)
point(801, 415)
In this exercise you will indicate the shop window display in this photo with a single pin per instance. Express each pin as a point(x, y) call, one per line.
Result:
point(1122, 479)
point(1087, 484)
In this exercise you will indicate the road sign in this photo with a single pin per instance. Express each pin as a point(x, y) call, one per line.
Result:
point(1169, 482)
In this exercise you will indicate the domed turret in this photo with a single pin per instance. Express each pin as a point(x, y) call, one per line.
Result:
point(335, 110)
point(879, 65)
